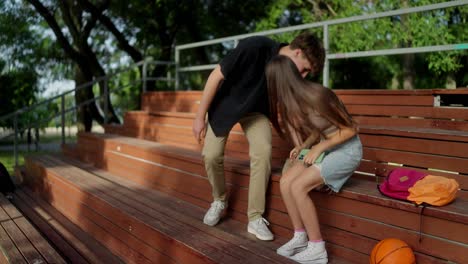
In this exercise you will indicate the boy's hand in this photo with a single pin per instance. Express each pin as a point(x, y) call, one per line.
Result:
point(199, 129)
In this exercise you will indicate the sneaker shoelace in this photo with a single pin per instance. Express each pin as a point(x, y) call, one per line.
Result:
point(308, 253)
point(262, 224)
point(216, 207)
point(297, 239)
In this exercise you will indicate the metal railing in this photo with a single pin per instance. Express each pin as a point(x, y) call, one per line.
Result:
point(325, 25)
point(144, 78)
point(179, 69)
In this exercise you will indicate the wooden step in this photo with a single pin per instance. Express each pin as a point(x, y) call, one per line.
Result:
point(140, 219)
point(20, 241)
point(384, 148)
point(72, 242)
point(233, 231)
point(358, 213)
point(369, 107)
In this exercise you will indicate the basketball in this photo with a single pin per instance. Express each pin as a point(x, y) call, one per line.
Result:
point(392, 251)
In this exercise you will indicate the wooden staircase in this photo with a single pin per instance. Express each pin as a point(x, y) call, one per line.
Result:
point(140, 190)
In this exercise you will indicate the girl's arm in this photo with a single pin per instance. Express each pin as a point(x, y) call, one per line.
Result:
point(296, 141)
point(301, 145)
point(310, 140)
point(332, 140)
point(340, 136)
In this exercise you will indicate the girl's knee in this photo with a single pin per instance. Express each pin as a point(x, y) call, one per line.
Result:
point(298, 189)
point(285, 183)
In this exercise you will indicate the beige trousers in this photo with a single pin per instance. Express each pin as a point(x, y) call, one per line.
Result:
point(257, 129)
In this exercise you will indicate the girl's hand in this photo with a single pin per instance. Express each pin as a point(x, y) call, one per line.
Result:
point(294, 152)
point(311, 156)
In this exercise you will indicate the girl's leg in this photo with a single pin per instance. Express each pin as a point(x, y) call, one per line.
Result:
point(308, 180)
point(315, 251)
point(287, 194)
point(299, 240)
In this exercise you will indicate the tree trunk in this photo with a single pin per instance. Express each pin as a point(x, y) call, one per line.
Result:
point(408, 71)
point(408, 59)
point(450, 82)
point(83, 113)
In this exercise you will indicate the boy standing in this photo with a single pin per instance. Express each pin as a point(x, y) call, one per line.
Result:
point(236, 91)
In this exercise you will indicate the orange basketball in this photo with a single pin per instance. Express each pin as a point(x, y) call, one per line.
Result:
point(392, 251)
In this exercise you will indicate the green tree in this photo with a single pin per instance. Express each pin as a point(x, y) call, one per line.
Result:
point(17, 89)
point(94, 35)
point(446, 26)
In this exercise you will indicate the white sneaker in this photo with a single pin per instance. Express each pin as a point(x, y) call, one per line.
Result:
point(214, 213)
point(259, 228)
point(315, 253)
point(297, 244)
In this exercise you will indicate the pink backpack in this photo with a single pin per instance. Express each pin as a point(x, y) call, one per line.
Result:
point(398, 182)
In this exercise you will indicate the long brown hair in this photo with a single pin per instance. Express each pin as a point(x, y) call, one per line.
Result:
point(293, 99)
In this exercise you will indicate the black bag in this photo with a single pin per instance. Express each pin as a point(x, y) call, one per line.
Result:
point(6, 184)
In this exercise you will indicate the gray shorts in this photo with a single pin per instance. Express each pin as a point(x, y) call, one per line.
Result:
point(340, 162)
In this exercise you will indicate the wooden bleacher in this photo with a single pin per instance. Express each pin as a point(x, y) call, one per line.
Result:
point(141, 188)
point(20, 242)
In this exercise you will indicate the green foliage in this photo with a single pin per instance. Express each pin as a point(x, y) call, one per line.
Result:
point(18, 89)
point(126, 88)
point(439, 27)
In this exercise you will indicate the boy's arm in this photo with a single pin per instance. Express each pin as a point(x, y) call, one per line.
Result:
point(211, 86)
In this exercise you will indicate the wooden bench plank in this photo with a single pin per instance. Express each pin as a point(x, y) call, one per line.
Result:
point(421, 137)
point(25, 247)
point(63, 246)
point(416, 159)
point(172, 208)
point(242, 207)
point(429, 112)
point(27, 239)
point(9, 209)
point(134, 213)
point(417, 123)
point(148, 150)
point(10, 253)
point(41, 245)
point(411, 132)
point(423, 100)
point(87, 247)
point(65, 192)
point(149, 199)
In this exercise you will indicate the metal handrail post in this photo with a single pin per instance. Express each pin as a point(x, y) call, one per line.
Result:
point(177, 64)
point(326, 66)
point(15, 141)
point(62, 110)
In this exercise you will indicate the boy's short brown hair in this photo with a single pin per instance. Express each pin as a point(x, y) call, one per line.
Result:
point(312, 48)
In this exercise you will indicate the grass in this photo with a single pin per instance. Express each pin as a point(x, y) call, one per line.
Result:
point(8, 159)
point(42, 139)
point(7, 156)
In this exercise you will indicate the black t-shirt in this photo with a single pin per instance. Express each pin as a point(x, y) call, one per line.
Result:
point(244, 87)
